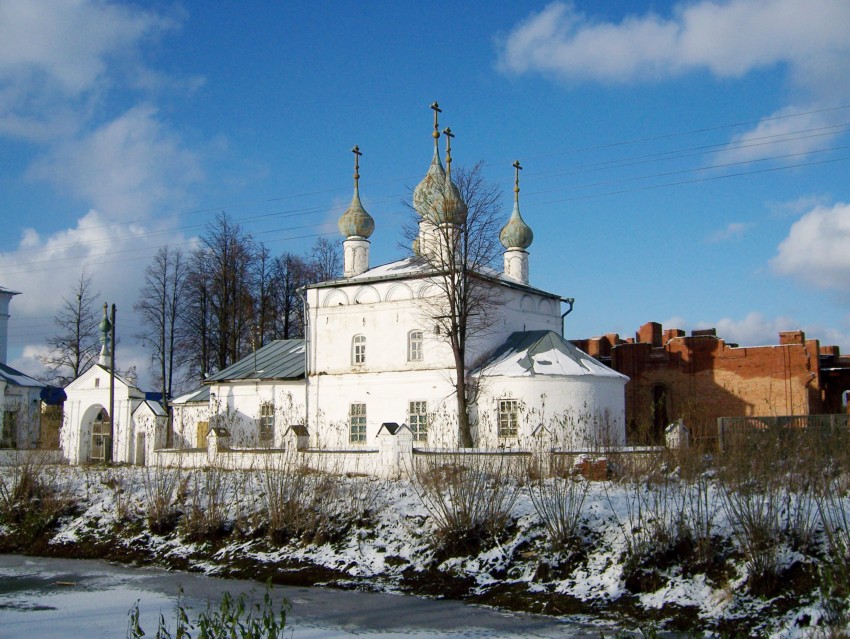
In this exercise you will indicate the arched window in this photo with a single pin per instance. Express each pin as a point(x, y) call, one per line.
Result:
point(101, 438)
point(358, 349)
point(660, 402)
point(414, 346)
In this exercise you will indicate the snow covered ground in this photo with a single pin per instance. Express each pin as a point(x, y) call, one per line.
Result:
point(635, 560)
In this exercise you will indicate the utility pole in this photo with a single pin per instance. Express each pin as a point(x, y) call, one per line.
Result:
point(112, 389)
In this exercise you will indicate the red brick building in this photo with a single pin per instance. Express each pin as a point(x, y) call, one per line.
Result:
point(700, 377)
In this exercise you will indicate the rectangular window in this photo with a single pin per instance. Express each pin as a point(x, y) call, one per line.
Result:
point(358, 349)
point(9, 433)
point(357, 423)
point(266, 423)
point(202, 430)
point(508, 417)
point(418, 420)
point(414, 346)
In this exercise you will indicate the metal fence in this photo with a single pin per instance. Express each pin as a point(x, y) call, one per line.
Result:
point(823, 425)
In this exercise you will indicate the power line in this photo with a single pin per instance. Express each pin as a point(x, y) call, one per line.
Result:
point(763, 140)
point(705, 179)
point(608, 145)
point(609, 164)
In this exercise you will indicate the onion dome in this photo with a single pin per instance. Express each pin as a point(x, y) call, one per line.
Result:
point(429, 191)
point(105, 325)
point(516, 234)
point(452, 209)
point(356, 222)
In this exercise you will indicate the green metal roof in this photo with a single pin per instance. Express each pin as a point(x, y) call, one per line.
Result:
point(281, 359)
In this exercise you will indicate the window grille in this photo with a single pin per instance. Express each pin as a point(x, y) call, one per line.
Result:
point(357, 423)
point(266, 423)
point(414, 346)
point(358, 349)
point(508, 418)
point(417, 419)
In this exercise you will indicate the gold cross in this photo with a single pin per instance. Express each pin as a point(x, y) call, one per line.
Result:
point(449, 135)
point(357, 153)
point(437, 110)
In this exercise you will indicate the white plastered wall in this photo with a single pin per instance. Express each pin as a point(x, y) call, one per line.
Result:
point(577, 413)
point(236, 407)
point(385, 312)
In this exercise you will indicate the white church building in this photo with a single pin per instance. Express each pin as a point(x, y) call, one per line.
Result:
point(377, 359)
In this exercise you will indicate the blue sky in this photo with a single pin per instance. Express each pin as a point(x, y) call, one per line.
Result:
point(684, 162)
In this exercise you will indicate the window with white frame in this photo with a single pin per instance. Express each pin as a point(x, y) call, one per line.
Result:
point(357, 423)
point(417, 419)
point(508, 418)
point(266, 423)
point(358, 349)
point(414, 346)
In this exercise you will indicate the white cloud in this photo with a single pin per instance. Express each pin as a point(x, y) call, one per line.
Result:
point(59, 52)
point(806, 40)
point(46, 270)
point(757, 330)
point(817, 248)
point(728, 39)
point(126, 168)
point(734, 231)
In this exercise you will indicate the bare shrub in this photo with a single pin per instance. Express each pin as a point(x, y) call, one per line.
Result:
point(468, 495)
point(32, 494)
point(315, 505)
point(558, 500)
point(122, 491)
point(211, 495)
point(751, 488)
point(161, 486)
point(289, 491)
point(654, 502)
point(700, 501)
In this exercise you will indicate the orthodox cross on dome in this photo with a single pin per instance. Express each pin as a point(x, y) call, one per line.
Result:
point(518, 168)
point(449, 135)
point(437, 111)
point(357, 153)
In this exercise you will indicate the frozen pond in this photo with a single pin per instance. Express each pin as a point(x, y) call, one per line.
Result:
point(81, 599)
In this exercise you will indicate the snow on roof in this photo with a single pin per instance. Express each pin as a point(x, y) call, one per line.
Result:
point(529, 353)
point(414, 266)
point(155, 407)
point(281, 359)
point(17, 378)
point(198, 395)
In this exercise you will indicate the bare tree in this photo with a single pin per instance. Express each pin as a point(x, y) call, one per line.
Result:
point(325, 260)
point(459, 242)
point(76, 344)
point(291, 272)
point(162, 302)
point(195, 323)
point(221, 295)
point(263, 285)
